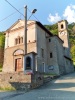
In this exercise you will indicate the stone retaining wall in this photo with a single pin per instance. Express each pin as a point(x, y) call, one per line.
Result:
point(17, 81)
point(20, 81)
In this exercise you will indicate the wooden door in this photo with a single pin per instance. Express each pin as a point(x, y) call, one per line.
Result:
point(18, 64)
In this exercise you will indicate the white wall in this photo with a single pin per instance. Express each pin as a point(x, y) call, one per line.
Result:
point(10, 39)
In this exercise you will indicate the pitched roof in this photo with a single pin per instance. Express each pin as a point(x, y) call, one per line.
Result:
point(59, 38)
point(45, 29)
point(68, 58)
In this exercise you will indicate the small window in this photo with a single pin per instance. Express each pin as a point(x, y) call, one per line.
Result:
point(16, 41)
point(62, 26)
point(51, 55)
point(42, 52)
point(21, 40)
point(49, 40)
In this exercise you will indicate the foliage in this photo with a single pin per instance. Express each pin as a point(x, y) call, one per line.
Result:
point(52, 28)
point(1, 67)
point(73, 52)
point(2, 40)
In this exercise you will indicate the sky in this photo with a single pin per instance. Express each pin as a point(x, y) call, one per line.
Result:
point(48, 11)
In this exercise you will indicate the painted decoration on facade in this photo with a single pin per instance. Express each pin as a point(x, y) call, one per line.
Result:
point(51, 67)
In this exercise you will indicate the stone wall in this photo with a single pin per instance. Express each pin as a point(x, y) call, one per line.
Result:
point(41, 44)
point(37, 80)
point(60, 55)
point(17, 81)
point(52, 61)
point(20, 81)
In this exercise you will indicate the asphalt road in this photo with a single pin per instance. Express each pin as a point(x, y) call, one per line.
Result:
point(62, 88)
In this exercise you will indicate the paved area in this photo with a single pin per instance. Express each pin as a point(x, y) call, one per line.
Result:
point(62, 88)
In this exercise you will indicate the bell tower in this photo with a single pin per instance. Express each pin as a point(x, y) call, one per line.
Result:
point(64, 35)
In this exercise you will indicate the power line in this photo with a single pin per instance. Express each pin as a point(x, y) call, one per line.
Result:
point(14, 7)
point(9, 16)
point(19, 11)
point(15, 12)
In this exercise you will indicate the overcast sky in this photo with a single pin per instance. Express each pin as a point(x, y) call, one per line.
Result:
point(48, 11)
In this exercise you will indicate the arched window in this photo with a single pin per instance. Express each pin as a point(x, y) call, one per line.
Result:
point(62, 26)
point(18, 40)
point(21, 39)
point(28, 63)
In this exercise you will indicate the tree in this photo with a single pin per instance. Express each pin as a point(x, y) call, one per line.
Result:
point(73, 53)
point(2, 40)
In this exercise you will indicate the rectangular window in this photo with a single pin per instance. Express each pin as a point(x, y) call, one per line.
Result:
point(42, 53)
point(49, 40)
point(51, 55)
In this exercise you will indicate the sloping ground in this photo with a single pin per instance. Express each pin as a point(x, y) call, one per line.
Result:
point(62, 88)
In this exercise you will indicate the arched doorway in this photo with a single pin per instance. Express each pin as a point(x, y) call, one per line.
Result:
point(18, 60)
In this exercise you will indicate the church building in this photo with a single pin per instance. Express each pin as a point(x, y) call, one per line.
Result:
point(46, 53)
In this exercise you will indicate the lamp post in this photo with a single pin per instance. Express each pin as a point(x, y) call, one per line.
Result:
point(25, 28)
point(25, 31)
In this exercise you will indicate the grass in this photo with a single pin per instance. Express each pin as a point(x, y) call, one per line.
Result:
point(46, 75)
point(7, 89)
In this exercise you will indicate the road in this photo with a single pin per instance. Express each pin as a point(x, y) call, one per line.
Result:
point(62, 88)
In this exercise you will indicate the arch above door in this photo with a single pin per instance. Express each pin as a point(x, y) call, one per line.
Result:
point(18, 52)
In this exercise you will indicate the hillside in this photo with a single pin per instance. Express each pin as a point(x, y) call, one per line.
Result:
point(71, 29)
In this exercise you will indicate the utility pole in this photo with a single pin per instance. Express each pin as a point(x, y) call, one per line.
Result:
point(25, 28)
point(25, 31)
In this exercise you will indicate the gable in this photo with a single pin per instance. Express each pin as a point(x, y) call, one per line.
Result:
point(18, 24)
